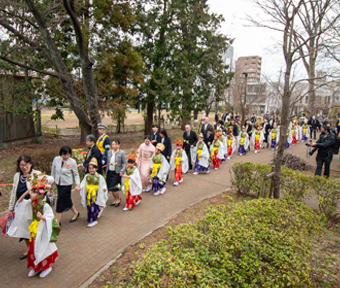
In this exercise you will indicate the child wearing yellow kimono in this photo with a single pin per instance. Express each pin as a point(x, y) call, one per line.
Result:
point(217, 150)
point(231, 142)
point(160, 169)
point(43, 230)
point(304, 132)
point(179, 162)
point(243, 142)
point(132, 183)
point(94, 193)
point(258, 138)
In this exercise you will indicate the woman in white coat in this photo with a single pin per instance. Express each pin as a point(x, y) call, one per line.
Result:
point(22, 183)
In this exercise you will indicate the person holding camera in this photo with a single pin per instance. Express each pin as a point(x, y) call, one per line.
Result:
point(325, 146)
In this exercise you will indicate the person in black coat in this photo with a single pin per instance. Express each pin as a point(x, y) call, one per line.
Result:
point(209, 138)
point(155, 137)
point(190, 140)
point(166, 141)
point(205, 126)
point(266, 129)
point(324, 145)
point(92, 152)
point(313, 124)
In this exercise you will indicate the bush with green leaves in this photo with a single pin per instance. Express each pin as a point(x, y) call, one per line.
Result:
point(248, 178)
point(257, 243)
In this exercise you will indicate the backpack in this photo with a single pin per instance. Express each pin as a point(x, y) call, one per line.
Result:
point(336, 145)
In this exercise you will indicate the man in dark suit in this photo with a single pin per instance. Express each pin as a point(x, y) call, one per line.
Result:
point(190, 140)
point(155, 138)
point(92, 152)
point(205, 126)
point(209, 138)
point(313, 124)
point(266, 131)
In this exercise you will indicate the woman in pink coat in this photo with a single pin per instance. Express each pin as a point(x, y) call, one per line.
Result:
point(145, 152)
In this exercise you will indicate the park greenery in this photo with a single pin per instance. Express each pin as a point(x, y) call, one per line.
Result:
point(108, 54)
point(257, 243)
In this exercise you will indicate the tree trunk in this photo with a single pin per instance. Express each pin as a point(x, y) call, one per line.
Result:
point(311, 86)
point(149, 119)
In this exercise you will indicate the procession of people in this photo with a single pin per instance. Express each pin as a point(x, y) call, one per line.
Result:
point(107, 168)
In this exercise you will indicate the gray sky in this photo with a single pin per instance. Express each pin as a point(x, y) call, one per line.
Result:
point(249, 40)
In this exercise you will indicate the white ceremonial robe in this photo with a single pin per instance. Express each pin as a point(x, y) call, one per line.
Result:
point(102, 196)
point(164, 170)
point(135, 183)
point(204, 161)
point(184, 161)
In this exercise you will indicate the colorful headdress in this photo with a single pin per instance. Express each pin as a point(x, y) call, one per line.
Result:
point(179, 141)
point(132, 155)
point(39, 183)
point(230, 129)
point(218, 132)
point(94, 162)
point(243, 127)
point(160, 146)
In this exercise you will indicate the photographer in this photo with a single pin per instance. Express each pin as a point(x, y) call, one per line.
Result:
point(324, 145)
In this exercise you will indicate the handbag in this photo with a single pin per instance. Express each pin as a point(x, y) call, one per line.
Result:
point(6, 222)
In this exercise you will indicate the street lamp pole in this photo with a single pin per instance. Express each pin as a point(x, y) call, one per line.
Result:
point(244, 106)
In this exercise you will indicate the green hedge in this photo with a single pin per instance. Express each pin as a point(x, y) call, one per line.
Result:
point(258, 243)
point(248, 179)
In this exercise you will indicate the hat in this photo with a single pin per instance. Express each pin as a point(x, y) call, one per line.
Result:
point(179, 141)
point(94, 162)
point(201, 135)
point(91, 138)
point(101, 126)
point(132, 155)
point(160, 146)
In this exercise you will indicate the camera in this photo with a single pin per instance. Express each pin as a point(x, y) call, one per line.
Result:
point(308, 144)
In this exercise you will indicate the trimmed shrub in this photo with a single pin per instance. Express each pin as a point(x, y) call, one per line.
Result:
point(248, 177)
point(258, 243)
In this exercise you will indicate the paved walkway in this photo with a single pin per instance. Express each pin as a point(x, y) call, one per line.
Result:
point(83, 251)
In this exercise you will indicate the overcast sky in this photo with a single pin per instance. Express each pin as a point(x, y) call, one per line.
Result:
point(249, 40)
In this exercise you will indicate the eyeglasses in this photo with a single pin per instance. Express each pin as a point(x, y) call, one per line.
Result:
point(24, 165)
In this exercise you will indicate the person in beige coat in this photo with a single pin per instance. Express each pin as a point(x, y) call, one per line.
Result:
point(22, 183)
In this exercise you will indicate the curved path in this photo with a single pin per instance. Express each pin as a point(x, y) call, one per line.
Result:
point(83, 252)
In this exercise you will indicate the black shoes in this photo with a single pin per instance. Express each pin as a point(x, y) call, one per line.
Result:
point(74, 220)
point(115, 204)
point(23, 256)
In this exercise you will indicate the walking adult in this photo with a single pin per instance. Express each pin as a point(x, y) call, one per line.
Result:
point(325, 146)
point(249, 130)
point(21, 183)
point(115, 168)
point(266, 131)
point(234, 127)
point(65, 172)
point(190, 140)
point(166, 141)
point(205, 126)
point(92, 152)
point(155, 137)
point(145, 152)
point(313, 124)
point(103, 142)
point(253, 119)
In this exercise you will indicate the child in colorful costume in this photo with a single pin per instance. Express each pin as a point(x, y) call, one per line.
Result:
point(94, 193)
point(231, 142)
point(160, 169)
point(217, 149)
point(243, 142)
point(289, 138)
point(304, 132)
point(274, 136)
point(132, 184)
point(179, 162)
point(258, 138)
point(43, 230)
point(200, 156)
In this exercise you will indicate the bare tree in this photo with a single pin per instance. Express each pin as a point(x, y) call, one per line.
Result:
point(316, 18)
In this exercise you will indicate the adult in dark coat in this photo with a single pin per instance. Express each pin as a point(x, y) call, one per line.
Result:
point(209, 138)
point(205, 126)
point(266, 129)
point(190, 140)
point(324, 145)
point(313, 124)
point(166, 141)
point(92, 151)
point(155, 137)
